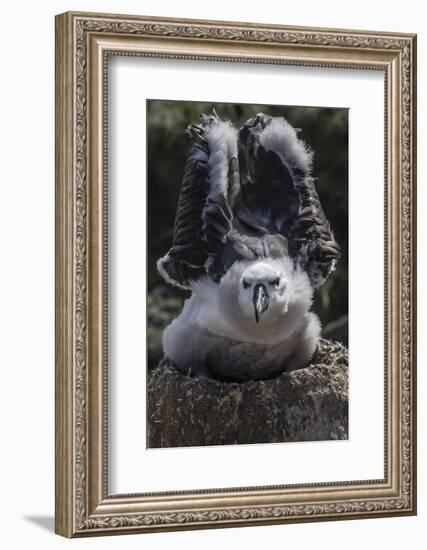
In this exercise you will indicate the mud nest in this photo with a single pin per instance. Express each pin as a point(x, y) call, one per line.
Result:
point(309, 404)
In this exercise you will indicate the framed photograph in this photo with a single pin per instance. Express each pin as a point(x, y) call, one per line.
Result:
point(235, 274)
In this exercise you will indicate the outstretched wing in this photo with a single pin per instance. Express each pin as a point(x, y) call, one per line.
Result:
point(281, 193)
point(208, 190)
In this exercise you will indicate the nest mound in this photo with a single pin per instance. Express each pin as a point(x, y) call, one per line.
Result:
point(309, 404)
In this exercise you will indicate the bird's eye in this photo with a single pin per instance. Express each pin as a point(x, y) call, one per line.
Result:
point(246, 284)
point(276, 282)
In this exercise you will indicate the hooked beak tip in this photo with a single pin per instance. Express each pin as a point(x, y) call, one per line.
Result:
point(261, 301)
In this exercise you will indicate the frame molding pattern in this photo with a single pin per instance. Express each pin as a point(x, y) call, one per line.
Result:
point(245, 514)
point(74, 30)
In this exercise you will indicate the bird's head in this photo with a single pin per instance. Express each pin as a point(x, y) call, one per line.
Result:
point(259, 301)
point(264, 291)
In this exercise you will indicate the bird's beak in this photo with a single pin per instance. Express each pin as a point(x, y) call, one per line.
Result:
point(261, 301)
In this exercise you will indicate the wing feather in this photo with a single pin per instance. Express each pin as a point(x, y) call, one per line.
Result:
point(282, 191)
point(204, 216)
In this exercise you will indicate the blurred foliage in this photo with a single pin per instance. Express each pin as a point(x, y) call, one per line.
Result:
point(324, 129)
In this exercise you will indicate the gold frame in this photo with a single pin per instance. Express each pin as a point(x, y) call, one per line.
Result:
point(83, 43)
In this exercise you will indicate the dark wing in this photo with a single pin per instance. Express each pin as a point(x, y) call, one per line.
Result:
point(208, 190)
point(281, 194)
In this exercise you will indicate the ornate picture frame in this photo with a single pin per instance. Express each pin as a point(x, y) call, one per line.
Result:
point(84, 42)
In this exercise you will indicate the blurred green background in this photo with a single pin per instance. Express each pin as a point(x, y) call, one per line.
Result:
point(324, 129)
